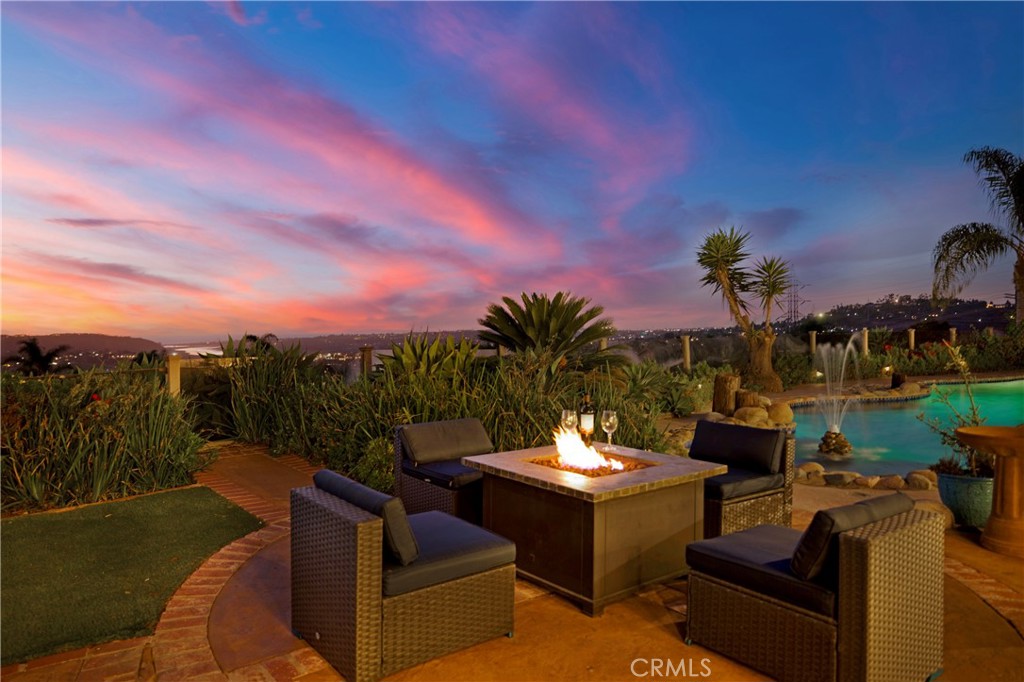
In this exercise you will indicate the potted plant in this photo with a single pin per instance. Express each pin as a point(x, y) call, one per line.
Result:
point(965, 476)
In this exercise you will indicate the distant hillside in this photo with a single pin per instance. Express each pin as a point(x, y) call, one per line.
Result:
point(81, 343)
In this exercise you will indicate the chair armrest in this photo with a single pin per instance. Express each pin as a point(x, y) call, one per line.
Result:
point(336, 580)
point(891, 597)
point(789, 471)
point(399, 456)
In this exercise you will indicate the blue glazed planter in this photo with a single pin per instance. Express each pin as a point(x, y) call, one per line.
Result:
point(969, 498)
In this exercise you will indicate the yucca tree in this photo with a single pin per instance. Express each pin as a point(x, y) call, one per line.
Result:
point(32, 361)
point(562, 325)
point(966, 250)
point(721, 256)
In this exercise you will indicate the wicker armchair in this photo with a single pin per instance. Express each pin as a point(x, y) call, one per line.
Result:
point(758, 489)
point(364, 611)
point(874, 613)
point(429, 475)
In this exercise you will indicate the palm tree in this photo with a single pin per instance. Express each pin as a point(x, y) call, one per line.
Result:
point(966, 250)
point(557, 325)
point(722, 255)
point(32, 361)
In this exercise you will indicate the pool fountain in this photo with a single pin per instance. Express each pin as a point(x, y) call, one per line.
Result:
point(833, 405)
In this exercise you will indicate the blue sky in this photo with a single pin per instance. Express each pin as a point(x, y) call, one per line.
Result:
point(185, 170)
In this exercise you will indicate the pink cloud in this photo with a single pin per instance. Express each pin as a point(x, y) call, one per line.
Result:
point(390, 239)
point(527, 79)
point(113, 271)
point(391, 180)
point(236, 11)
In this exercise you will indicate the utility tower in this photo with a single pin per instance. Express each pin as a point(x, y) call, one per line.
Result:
point(794, 302)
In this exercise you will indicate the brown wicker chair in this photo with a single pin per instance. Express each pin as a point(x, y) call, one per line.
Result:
point(876, 615)
point(758, 488)
point(428, 470)
point(341, 572)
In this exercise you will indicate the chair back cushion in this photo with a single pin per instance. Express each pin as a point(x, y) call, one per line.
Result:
point(745, 447)
point(452, 548)
point(816, 555)
point(398, 536)
point(439, 441)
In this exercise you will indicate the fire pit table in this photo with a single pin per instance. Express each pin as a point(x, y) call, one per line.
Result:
point(597, 539)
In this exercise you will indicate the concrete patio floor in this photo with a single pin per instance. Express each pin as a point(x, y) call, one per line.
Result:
point(230, 619)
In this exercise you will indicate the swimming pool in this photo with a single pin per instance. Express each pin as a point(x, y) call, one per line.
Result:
point(888, 438)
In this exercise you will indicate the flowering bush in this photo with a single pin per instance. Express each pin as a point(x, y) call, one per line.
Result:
point(93, 436)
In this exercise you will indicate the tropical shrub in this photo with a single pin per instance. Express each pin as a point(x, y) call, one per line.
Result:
point(93, 436)
point(986, 353)
point(795, 369)
point(687, 393)
point(645, 383)
point(266, 391)
point(349, 428)
point(209, 386)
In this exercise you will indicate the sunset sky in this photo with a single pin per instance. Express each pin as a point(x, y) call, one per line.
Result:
point(185, 170)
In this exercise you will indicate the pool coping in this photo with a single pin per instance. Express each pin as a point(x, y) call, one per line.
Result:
point(809, 401)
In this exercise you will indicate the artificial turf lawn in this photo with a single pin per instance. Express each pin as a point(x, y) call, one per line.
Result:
point(103, 572)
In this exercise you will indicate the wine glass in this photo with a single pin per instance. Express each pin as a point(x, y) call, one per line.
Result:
point(609, 422)
point(569, 419)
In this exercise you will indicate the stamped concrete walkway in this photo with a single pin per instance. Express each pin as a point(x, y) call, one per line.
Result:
point(229, 620)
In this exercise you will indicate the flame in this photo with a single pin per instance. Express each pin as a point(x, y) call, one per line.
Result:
point(572, 452)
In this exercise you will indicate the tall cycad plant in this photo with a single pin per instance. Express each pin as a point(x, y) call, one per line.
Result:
point(722, 256)
point(966, 250)
point(562, 325)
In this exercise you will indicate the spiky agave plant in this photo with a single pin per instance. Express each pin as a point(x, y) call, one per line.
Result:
point(417, 355)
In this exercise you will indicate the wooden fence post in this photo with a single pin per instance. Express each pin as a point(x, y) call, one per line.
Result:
point(174, 374)
point(367, 359)
point(864, 341)
point(814, 342)
point(910, 338)
point(685, 338)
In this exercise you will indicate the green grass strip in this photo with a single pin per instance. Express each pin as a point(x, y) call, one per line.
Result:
point(104, 572)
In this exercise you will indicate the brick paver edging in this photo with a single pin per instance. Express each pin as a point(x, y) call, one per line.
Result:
point(181, 646)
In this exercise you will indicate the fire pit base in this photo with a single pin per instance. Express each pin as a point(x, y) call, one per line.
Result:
point(595, 540)
point(595, 554)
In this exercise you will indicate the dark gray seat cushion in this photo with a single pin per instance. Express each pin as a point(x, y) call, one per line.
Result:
point(745, 447)
point(817, 554)
point(444, 440)
point(739, 482)
point(450, 548)
point(759, 559)
point(398, 535)
point(448, 474)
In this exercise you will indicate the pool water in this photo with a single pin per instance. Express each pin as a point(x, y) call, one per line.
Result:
point(888, 438)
